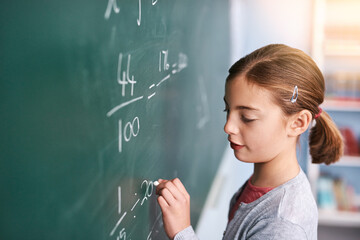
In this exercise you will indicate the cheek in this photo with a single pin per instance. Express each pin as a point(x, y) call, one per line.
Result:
point(266, 139)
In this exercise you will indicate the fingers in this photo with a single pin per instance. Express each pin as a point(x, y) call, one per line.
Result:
point(169, 197)
point(162, 202)
point(180, 187)
point(171, 190)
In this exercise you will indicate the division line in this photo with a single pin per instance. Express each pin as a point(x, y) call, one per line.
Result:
point(164, 79)
point(117, 224)
point(117, 108)
point(135, 204)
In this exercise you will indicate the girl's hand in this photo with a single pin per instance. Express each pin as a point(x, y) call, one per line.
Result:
point(174, 202)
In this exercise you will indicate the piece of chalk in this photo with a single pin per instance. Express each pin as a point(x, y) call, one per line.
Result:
point(156, 183)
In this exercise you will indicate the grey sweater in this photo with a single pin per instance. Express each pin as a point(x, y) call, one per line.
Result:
point(287, 212)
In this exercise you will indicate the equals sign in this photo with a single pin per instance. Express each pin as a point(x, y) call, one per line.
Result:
point(153, 94)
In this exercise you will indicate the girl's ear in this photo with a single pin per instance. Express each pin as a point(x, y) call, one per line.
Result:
point(299, 123)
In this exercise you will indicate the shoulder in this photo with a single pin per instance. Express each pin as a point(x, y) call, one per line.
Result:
point(297, 203)
point(292, 206)
point(277, 228)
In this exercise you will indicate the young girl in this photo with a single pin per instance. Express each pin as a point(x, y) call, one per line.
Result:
point(271, 96)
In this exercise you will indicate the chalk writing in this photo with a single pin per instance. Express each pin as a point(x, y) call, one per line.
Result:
point(127, 85)
point(152, 94)
point(113, 7)
point(163, 80)
point(119, 199)
point(124, 79)
point(139, 18)
point(149, 188)
point(117, 224)
point(131, 129)
point(163, 60)
point(122, 235)
point(132, 209)
point(127, 130)
point(120, 106)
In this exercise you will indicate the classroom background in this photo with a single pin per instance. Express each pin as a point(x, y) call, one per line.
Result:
point(100, 98)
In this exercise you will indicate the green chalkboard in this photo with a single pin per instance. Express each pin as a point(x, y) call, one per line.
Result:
point(100, 98)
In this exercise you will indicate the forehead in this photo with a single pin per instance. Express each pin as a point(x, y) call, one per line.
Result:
point(240, 92)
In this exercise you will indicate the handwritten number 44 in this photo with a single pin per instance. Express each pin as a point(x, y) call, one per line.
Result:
point(123, 77)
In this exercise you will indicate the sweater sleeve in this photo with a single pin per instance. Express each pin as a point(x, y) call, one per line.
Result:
point(273, 229)
point(186, 234)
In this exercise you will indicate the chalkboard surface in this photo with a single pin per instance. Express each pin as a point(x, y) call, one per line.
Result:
point(100, 98)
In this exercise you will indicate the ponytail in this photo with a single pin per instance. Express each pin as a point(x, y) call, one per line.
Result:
point(325, 140)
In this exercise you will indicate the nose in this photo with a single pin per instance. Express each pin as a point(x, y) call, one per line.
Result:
point(231, 127)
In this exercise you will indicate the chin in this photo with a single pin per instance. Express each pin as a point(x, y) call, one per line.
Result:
point(242, 158)
point(248, 159)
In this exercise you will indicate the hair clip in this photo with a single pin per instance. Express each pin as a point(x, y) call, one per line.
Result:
point(295, 95)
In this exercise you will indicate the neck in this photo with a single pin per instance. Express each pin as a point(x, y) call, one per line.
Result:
point(276, 171)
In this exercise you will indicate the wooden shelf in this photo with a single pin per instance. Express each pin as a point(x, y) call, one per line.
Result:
point(345, 49)
point(341, 105)
point(339, 218)
point(342, 54)
point(335, 39)
point(348, 161)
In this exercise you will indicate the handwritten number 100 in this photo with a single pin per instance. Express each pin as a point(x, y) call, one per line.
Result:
point(130, 130)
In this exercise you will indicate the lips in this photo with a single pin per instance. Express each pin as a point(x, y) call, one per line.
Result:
point(236, 146)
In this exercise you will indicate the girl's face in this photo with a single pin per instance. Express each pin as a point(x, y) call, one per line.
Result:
point(255, 125)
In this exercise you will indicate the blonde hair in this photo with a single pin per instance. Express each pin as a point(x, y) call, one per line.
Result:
point(279, 68)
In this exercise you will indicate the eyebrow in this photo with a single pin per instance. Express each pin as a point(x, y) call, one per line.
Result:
point(243, 107)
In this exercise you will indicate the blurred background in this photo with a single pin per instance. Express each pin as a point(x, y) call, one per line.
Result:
point(329, 31)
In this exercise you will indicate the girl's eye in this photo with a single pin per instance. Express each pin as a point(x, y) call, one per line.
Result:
point(246, 120)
